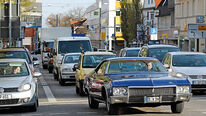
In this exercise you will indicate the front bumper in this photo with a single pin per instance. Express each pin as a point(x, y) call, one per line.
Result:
point(68, 76)
point(198, 84)
point(142, 99)
point(26, 98)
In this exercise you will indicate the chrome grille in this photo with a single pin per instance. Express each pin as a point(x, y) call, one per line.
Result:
point(10, 90)
point(193, 76)
point(150, 91)
point(9, 101)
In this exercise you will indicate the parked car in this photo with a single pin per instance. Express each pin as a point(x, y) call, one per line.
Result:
point(87, 62)
point(120, 82)
point(18, 87)
point(66, 72)
point(157, 51)
point(22, 53)
point(129, 52)
point(188, 63)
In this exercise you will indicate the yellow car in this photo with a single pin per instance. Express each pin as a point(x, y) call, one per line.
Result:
point(87, 63)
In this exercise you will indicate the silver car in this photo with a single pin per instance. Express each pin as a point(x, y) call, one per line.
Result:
point(66, 72)
point(17, 85)
point(192, 64)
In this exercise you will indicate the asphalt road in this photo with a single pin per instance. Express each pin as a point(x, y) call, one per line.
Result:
point(56, 100)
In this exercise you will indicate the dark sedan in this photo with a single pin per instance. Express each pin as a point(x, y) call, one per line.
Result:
point(120, 82)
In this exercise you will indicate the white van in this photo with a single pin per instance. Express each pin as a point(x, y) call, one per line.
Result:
point(63, 45)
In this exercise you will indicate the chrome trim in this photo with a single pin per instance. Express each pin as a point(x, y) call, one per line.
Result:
point(152, 86)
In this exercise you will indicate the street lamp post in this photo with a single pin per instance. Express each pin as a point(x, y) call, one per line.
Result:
point(100, 17)
point(10, 23)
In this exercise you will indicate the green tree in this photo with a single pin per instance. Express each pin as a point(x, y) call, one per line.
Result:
point(130, 17)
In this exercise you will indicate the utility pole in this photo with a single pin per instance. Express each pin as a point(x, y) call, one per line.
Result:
point(100, 16)
point(10, 23)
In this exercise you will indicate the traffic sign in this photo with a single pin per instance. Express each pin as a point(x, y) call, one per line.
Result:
point(197, 31)
point(153, 31)
point(103, 35)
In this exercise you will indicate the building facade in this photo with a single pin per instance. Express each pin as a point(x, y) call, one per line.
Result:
point(190, 12)
point(166, 22)
point(104, 22)
point(149, 19)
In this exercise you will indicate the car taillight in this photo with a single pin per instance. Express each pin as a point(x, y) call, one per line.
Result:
point(51, 60)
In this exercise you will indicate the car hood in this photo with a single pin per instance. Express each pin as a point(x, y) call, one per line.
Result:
point(147, 80)
point(88, 70)
point(190, 70)
point(13, 82)
point(70, 65)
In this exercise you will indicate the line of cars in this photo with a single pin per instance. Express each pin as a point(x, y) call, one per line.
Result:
point(18, 79)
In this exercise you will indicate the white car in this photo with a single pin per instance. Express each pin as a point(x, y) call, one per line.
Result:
point(192, 64)
point(66, 72)
point(18, 87)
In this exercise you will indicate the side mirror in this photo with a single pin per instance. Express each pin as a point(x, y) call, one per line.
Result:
point(36, 63)
point(76, 66)
point(166, 66)
point(37, 74)
point(35, 59)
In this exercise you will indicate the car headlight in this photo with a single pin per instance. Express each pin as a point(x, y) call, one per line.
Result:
point(120, 91)
point(25, 87)
point(182, 89)
point(179, 75)
point(67, 70)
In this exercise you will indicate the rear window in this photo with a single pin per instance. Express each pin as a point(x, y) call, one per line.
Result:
point(132, 53)
point(16, 54)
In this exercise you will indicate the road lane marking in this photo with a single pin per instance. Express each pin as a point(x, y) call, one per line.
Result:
point(47, 90)
point(204, 112)
point(49, 94)
point(65, 102)
point(58, 114)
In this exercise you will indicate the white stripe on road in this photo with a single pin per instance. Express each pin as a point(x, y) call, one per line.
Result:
point(49, 94)
point(204, 112)
point(47, 90)
point(65, 102)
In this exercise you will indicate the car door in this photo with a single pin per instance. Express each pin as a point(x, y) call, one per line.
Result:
point(98, 79)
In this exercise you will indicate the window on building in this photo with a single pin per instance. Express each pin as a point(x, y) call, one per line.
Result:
point(151, 1)
point(118, 13)
point(193, 7)
point(148, 1)
point(118, 29)
point(152, 16)
point(147, 15)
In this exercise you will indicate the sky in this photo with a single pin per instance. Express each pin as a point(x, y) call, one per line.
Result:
point(61, 6)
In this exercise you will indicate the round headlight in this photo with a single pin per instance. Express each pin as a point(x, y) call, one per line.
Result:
point(119, 91)
point(25, 87)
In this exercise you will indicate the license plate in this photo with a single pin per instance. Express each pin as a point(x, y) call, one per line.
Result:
point(152, 99)
point(5, 96)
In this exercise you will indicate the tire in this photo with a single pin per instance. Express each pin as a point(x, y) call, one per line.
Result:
point(50, 70)
point(33, 108)
point(77, 90)
point(61, 81)
point(81, 92)
point(93, 104)
point(177, 107)
point(113, 109)
point(44, 66)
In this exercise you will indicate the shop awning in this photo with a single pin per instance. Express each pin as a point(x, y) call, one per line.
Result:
point(157, 3)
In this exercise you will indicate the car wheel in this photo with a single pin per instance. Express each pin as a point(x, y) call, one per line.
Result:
point(177, 107)
point(112, 109)
point(93, 104)
point(81, 92)
point(50, 70)
point(61, 81)
point(77, 90)
point(44, 66)
point(33, 108)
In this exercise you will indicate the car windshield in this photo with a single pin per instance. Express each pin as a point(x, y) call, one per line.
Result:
point(132, 53)
point(74, 46)
point(16, 54)
point(48, 46)
point(160, 53)
point(71, 59)
point(13, 69)
point(189, 60)
point(91, 61)
point(131, 66)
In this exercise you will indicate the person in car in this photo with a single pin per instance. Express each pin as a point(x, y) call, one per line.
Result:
point(16, 70)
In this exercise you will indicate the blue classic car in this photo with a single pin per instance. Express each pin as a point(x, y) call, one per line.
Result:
point(120, 82)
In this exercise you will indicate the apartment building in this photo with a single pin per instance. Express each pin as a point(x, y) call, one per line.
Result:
point(190, 12)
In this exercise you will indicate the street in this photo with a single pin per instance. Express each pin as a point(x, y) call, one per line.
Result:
point(56, 100)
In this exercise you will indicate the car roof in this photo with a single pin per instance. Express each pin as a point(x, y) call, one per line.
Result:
point(72, 54)
point(12, 60)
point(71, 38)
point(12, 49)
point(186, 53)
point(98, 53)
point(137, 48)
point(161, 46)
point(131, 58)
